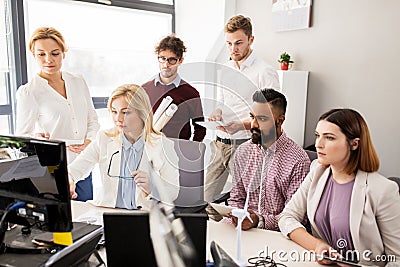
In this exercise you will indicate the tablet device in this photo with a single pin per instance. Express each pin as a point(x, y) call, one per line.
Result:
point(222, 209)
point(337, 260)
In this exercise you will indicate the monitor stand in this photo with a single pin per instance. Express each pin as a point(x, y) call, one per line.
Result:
point(21, 251)
point(18, 239)
point(5, 217)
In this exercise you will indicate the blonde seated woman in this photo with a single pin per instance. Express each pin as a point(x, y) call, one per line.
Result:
point(134, 159)
point(353, 210)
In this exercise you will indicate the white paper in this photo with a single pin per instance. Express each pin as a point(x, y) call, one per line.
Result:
point(171, 110)
point(161, 108)
point(69, 142)
point(223, 210)
point(22, 168)
point(93, 216)
point(211, 125)
point(165, 117)
point(291, 15)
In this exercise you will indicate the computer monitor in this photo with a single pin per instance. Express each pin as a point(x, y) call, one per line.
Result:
point(128, 236)
point(33, 174)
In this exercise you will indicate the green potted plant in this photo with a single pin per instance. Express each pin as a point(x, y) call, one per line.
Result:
point(285, 61)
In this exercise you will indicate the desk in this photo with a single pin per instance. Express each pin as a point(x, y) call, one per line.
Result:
point(284, 250)
point(254, 240)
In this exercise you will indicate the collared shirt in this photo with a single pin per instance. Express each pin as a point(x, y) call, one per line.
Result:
point(176, 82)
point(130, 159)
point(282, 168)
point(235, 96)
point(41, 109)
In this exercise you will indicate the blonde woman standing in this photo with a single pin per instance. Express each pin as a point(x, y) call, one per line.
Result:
point(56, 104)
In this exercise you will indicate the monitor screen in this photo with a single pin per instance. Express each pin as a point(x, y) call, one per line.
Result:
point(33, 172)
point(172, 244)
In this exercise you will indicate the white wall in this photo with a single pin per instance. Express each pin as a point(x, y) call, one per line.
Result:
point(352, 53)
point(201, 29)
point(199, 26)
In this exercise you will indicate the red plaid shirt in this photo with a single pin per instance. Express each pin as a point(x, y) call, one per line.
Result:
point(285, 166)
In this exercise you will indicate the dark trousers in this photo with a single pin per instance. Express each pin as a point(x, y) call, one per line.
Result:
point(84, 189)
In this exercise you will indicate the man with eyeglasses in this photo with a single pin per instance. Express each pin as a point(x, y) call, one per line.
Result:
point(169, 52)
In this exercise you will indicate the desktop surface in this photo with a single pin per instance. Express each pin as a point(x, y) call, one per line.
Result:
point(21, 251)
point(253, 241)
point(256, 240)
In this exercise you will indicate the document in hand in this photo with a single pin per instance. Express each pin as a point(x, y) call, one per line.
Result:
point(223, 210)
point(70, 142)
point(211, 125)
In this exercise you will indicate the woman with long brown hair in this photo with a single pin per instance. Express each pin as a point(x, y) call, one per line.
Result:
point(354, 211)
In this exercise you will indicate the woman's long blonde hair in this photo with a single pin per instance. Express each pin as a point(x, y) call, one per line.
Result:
point(137, 99)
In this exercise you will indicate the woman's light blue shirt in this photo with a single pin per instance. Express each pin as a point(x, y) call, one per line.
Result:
point(130, 160)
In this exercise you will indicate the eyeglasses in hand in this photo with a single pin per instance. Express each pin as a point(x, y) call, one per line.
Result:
point(113, 171)
point(171, 60)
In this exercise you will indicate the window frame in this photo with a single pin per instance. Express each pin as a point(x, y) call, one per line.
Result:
point(19, 46)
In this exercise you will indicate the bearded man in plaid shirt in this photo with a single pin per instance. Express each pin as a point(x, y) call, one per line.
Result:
point(269, 168)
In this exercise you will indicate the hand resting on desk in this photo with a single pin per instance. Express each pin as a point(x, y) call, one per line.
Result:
point(246, 224)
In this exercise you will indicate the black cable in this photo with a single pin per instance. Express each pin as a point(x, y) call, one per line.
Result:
point(3, 229)
point(4, 224)
point(264, 261)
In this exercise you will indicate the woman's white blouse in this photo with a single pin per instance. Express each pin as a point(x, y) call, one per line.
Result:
point(41, 109)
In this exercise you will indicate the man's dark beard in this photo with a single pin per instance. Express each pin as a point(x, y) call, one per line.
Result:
point(255, 136)
point(258, 138)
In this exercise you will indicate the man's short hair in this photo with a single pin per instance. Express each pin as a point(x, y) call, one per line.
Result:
point(275, 98)
point(239, 22)
point(173, 43)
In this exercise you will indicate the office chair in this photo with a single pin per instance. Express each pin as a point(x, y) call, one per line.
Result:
point(397, 180)
point(223, 197)
point(191, 175)
point(311, 155)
